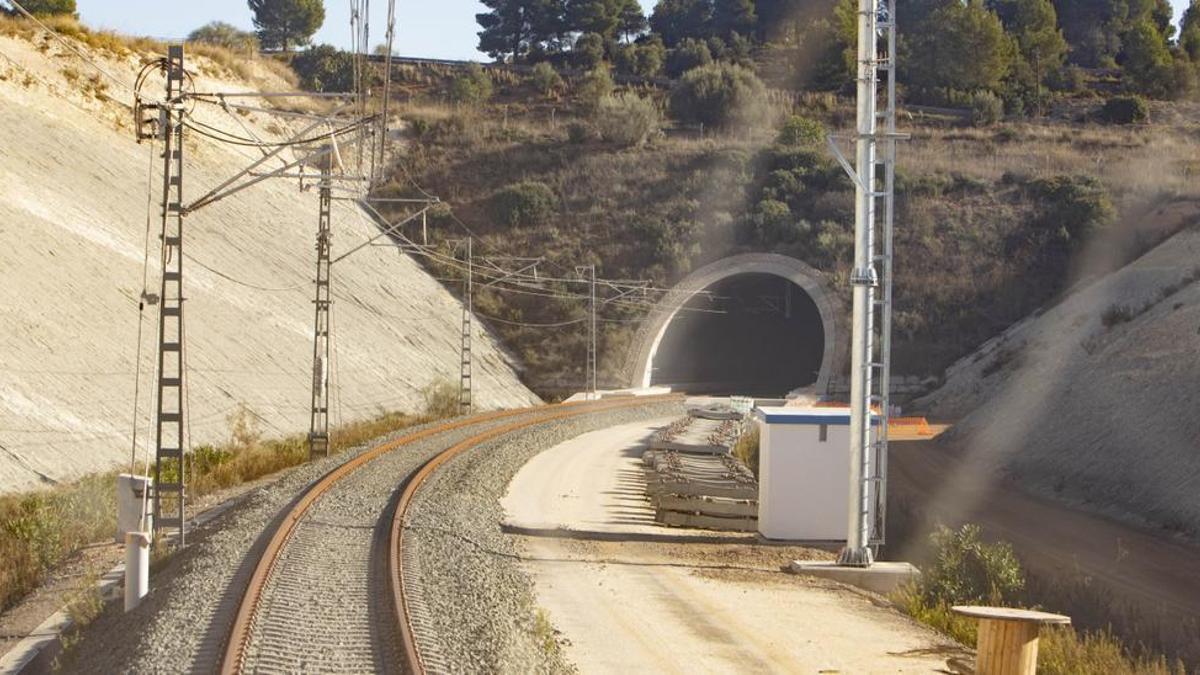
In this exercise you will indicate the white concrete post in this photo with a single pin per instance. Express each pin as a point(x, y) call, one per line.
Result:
point(137, 568)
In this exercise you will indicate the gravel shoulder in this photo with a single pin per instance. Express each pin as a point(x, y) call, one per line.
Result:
point(477, 608)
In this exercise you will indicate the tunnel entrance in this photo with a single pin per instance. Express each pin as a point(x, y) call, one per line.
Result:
point(753, 333)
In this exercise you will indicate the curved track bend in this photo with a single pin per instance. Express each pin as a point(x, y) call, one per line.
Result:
point(329, 591)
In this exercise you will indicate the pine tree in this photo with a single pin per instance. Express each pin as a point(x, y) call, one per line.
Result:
point(1146, 59)
point(593, 16)
point(1034, 24)
point(285, 23)
point(515, 27)
point(1189, 32)
point(631, 22)
point(43, 7)
point(676, 20)
point(733, 16)
point(961, 48)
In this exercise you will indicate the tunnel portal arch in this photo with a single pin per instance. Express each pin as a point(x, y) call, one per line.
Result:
point(650, 338)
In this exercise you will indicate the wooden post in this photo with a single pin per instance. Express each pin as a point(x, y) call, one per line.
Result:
point(1008, 638)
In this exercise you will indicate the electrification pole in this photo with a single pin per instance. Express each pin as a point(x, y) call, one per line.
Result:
point(589, 369)
point(870, 359)
point(466, 403)
point(318, 433)
point(169, 465)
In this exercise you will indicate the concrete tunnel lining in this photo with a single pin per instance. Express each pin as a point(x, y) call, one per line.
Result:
point(807, 279)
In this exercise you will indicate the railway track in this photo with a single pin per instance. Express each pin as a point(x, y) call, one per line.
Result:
point(330, 592)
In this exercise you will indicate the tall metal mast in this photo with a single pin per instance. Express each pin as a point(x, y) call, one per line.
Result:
point(466, 403)
point(871, 281)
point(318, 433)
point(589, 368)
point(169, 469)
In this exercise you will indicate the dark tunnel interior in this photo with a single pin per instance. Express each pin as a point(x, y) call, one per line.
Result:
point(753, 334)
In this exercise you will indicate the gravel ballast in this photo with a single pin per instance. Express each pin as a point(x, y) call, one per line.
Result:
point(476, 611)
point(183, 623)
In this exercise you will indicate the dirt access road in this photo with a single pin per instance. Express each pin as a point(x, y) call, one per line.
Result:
point(1144, 569)
point(632, 596)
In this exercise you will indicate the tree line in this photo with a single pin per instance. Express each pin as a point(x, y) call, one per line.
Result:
point(950, 50)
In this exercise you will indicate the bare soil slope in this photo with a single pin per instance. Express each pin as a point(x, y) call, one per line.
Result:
point(1095, 400)
point(73, 219)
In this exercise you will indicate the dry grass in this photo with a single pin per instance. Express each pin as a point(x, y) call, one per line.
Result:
point(105, 41)
point(746, 448)
point(41, 528)
point(1130, 161)
point(213, 60)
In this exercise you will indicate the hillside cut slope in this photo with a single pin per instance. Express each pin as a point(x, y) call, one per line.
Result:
point(1095, 400)
point(73, 226)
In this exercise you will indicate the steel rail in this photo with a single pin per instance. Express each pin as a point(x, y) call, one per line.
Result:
point(243, 624)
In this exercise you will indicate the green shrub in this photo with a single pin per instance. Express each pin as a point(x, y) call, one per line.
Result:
point(325, 68)
point(627, 119)
point(225, 35)
point(545, 79)
point(801, 131)
point(524, 203)
point(472, 87)
point(1006, 135)
point(1072, 208)
point(588, 51)
point(1069, 79)
point(775, 224)
point(986, 109)
point(1125, 110)
point(597, 84)
point(719, 95)
point(643, 58)
point(689, 54)
point(966, 570)
point(578, 132)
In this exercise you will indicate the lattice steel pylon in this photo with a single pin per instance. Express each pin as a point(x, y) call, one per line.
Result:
point(170, 430)
point(466, 401)
point(318, 433)
point(871, 280)
point(590, 366)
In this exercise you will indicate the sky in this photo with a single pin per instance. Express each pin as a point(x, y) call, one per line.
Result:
point(443, 29)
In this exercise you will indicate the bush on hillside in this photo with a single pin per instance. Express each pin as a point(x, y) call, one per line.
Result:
point(986, 109)
point(687, 55)
point(627, 119)
point(221, 34)
point(45, 7)
point(441, 398)
point(589, 51)
point(596, 84)
point(719, 95)
point(801, 131)
point(775, 224)
point(1073, 208)
point(473, 87)
point(545, 79)
point(643, 58)
point(325, 68)
point(524, 203)
point(1125, 110)
point(578, 133)
point(969, 571)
